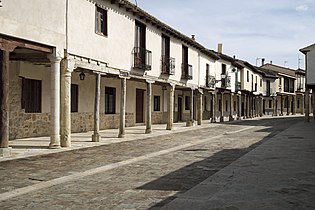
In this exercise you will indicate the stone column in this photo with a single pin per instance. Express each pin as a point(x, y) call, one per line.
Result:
point(282, 105)
point(245, 106)
point(273, 106)
point(214, 108)
point(122, 119)
point(239, 107)
point(148, 128)
point(231, 118)
point(55, 101)
point(288, 105)
point(67, 68)
point(276, 106)
point(307, 105)
point(261, 106)
point(250, 107)
point(294, 104)
point(170, 106)
point(302, 104)
point(222, 108)
point(5, 150)
point(96, 135)
point(190, 122)
point(199, 120)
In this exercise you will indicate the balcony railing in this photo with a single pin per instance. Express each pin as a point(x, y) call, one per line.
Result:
point(142, 58)
point(210, 81)
point(168, 65)
point(225, 81)
point(238, 86)
point(187, 71)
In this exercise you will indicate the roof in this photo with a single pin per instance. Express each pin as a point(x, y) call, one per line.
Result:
point(268, 73)
point(279, 69)
point(146, 17)
point(307, 49)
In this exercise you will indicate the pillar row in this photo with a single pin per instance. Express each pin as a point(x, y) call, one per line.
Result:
point(122, 117)
point(148, 128)
point(170, 107)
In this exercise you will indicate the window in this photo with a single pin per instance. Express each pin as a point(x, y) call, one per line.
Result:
point(234, 105)
point(156, 103)
point(226, 105)
point(207, 74)
point(247, 76)
point(74, 97)
point(101, 21)
point(261, 82)
point(223, 70)
point(187, 102)
point(110, 100)
point(270, 103)
point(205, 103)
point(31, 95)
point(220, 105)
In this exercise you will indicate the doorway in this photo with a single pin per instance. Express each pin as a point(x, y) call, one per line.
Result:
point(139, 105)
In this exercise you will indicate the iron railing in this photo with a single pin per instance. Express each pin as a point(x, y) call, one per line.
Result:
point(168, 65)
point(142, 58)
point(187, 71)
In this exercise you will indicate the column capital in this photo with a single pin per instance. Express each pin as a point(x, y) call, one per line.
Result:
point(53, 58)
point(7, 45)
point(150, 81)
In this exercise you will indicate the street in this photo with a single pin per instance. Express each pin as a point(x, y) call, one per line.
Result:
point(141, 174)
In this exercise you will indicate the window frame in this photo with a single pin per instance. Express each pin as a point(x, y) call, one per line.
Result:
point(101, 23)
point(187, 102)
point(74, 98)
point(156, 103)
point(110, 91)
point(31, 99)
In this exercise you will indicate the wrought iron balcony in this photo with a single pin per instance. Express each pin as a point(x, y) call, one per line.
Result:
point(225, 81)
point(238, 86)
point(142, 58)
point(168, 65)
point(187, 71)
point(210, 81)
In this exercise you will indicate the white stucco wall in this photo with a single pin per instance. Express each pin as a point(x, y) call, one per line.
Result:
point(310, 67)
point(41, 21)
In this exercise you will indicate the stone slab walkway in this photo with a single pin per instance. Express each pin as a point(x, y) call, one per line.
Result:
point(278, 174)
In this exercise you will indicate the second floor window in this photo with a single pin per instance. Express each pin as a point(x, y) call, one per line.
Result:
point(247, 76)
point(101, 21)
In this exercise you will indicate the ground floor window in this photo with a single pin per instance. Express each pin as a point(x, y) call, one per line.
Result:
point(31, 95)
point(270, 103)
point(234, 104)
point(298, 103)
point(110, 100)
point(220, 105)
point(157, 103)
point(226, 105)
point(187, 102)
point(74, 97)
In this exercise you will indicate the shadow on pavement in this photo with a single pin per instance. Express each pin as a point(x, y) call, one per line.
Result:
point(191, 175)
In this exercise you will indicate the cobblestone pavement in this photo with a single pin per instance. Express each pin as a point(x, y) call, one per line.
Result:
point(140, 174)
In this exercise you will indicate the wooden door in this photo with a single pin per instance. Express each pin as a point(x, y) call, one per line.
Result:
point(139, 105)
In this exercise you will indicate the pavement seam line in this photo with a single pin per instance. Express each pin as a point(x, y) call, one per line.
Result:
point(78, 175)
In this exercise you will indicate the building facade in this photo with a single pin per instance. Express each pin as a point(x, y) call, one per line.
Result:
point(109, 64)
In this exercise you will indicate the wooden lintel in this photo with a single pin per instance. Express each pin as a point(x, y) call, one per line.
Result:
point(12, 44)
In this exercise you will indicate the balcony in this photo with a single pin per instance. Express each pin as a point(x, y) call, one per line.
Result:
point(225, 81)
point(187, 71)
point(168, 65)
point(238, 86)
point(210, 81)
point(142, 58)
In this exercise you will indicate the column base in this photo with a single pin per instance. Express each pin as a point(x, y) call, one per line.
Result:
point(121, 135)
point(65, 141)
point(96, 137)
point(55, 142)
point(5, 152)
point(231, 118)
point(148, 130)
point(189, 123)
point(169, 127)
point(213, 120)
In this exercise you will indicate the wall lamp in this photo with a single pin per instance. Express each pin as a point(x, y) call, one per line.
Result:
point(82, 75)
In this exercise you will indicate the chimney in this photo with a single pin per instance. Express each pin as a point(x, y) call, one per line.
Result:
point(234, 57)
point(220, 46)
point(193, 37)
point(270, 62)
point(263, 61)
